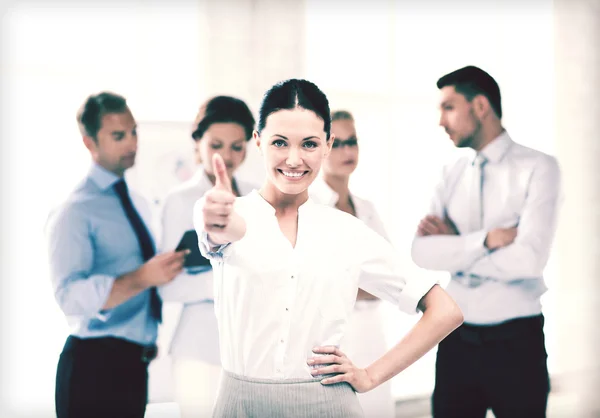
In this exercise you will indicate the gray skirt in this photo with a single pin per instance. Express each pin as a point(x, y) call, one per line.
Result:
point(245, 397)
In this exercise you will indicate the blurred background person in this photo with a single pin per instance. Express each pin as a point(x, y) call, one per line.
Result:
point(104, 273)
point(223, 125)
point(491, 225)
point(365, 335)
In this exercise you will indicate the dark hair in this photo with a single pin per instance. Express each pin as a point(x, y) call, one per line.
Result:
point(291, 94)
point(471, 81)
point(90, 114)
point(223, 109)
point(341, 115)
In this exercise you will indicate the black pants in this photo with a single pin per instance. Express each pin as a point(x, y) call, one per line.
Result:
point(501, 367)
point(102, 377)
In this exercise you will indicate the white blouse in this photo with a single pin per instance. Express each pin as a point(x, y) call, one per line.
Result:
point(275, 303)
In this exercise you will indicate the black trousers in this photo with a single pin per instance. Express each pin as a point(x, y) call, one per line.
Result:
point(501, 367)
point(102, 377)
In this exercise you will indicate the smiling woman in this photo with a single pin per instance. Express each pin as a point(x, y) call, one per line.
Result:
point(308, 260)
point(298, 137)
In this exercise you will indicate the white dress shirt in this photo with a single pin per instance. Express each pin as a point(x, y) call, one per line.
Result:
point(196, 335)
point(275, 303)
point(521, 187)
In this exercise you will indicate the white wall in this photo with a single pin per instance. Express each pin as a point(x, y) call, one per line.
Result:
point(577, 123)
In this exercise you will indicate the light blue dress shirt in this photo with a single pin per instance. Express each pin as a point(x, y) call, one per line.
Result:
point(90, 244)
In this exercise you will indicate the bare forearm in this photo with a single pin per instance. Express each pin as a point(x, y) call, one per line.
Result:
point(124, 288)
point(442, 316)
point(363, 295)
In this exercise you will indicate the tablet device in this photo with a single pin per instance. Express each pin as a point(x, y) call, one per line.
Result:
point(189, 241)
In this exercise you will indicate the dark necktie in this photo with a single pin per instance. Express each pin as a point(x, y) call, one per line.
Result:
point(144, 239)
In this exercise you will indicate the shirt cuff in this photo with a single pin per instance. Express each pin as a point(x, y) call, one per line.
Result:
point(208, 250)
point(474, 244)
point(413, 292)
point(197, 270)
point(104, 285)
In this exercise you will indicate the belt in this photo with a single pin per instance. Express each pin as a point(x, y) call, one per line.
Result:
point(117, 346)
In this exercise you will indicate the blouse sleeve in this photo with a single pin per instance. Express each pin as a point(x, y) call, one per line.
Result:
point(382, 275)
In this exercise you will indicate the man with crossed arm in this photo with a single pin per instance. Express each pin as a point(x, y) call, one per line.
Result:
point(491, 224)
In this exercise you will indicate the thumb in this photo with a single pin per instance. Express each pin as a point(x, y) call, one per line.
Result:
point(221, 178)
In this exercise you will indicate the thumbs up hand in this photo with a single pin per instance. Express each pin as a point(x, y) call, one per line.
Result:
point(221, 222)
point(222, 181)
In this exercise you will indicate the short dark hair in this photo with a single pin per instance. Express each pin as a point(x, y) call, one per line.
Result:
point(472, 81)
point(90, 114)
point(291, 94)
point(223, 109)
point(341, 115)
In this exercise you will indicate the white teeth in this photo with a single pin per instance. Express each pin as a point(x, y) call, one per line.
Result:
point(289, 174)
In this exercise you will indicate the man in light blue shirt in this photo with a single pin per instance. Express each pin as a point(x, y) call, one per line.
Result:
point(104, 273)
